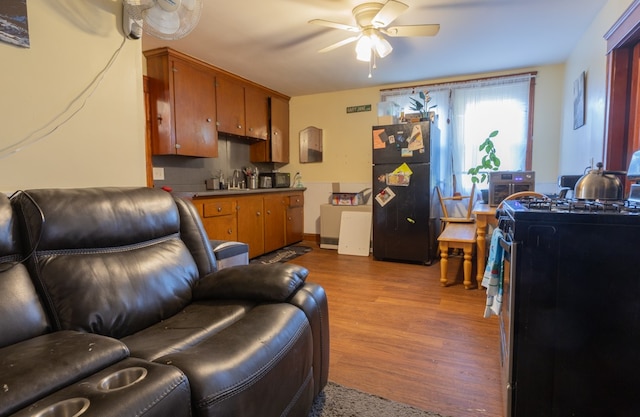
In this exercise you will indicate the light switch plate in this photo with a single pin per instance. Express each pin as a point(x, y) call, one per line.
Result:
point(158, 174)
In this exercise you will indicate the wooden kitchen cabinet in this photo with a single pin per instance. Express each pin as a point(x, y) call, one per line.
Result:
point(276, 148)
point(265, 221)
point(219, 218)
point(243, 110)
point(294, 218)
point(230, 99)
point(183, 105)
point(251, 223)
point(275, 207)
point(256, 105)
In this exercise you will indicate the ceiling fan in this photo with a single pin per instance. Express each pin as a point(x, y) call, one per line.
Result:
point(373, 20)
point(163, 19)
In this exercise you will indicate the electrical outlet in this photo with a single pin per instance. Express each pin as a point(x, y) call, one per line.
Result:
point(158, 174)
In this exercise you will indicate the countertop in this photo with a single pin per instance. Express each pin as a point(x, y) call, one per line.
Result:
point(233, 192)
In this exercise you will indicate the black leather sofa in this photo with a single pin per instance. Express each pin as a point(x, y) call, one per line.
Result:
point(111, 305)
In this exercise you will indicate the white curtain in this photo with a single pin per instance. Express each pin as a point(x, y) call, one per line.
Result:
point(465, 114)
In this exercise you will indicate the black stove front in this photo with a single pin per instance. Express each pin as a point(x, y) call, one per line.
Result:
point(572, 300)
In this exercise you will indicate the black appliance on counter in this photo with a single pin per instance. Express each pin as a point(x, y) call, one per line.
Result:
point(403, 229)
point(570, 321)
point(276, 180)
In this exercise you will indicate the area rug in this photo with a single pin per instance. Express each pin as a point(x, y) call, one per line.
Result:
point(339, 401)
point(281, 255)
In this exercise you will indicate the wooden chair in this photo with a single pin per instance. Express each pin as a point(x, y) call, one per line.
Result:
point(446, 218)
point(457, 233)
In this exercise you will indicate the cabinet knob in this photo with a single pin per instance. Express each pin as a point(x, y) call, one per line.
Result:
point(178, 146)
point(219, 209)
point(258, 213)
point(275, 133)
point(250, 129)
point(208, 119)
point(239, 126)
point(268, 211)
point(229, 231)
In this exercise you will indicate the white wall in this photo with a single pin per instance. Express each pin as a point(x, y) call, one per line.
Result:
point(103, 144)
point(580, 146)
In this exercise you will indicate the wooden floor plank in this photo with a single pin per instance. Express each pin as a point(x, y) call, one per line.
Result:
point(395, 332)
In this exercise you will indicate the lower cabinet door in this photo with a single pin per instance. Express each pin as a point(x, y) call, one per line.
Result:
point(274, 226)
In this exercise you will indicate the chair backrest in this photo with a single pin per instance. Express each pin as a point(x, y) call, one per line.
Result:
point(467, 212)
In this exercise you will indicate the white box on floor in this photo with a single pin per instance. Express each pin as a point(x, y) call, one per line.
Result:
point(330, 218)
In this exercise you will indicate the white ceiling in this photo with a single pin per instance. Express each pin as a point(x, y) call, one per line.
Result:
point(271, 43)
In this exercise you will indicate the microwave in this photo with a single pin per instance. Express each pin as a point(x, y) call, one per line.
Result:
point(278, 179)
point(504, 183)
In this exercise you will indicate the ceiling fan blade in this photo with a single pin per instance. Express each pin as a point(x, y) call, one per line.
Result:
point(334, 25)
point(389, 12)
point(412, 30)
point(339, 44)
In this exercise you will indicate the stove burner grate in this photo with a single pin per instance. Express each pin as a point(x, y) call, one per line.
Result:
point(574, 205)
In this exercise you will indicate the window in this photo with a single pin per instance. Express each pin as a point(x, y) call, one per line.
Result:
point(465, 114)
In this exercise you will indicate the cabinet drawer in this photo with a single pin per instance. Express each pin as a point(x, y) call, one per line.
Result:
point(296, 200)
point(219, 208)
point(221, 227)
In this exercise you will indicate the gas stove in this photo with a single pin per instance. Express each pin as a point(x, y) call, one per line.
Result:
point(564, 205)
point(528, 211)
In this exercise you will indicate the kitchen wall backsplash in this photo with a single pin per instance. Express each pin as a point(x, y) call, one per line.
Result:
point(183, 173)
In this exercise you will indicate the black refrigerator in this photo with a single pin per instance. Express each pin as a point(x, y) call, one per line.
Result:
point(403, 227)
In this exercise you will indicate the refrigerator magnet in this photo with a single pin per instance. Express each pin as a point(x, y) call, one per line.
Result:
point(379, 139)
point(406, 153)
point(385, 196)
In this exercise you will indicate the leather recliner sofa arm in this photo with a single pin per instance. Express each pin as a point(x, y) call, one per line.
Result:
point(272, 283)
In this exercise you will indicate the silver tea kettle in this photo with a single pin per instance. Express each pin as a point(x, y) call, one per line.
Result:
point(598, 184)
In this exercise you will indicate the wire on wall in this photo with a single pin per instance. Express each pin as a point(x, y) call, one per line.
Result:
point(66, 115)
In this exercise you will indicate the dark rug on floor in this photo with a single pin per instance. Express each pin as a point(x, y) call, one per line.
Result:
point(339, 401)
point(281, 255)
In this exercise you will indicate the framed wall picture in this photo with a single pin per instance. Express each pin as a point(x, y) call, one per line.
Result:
point(578, 101)
point(14, 27)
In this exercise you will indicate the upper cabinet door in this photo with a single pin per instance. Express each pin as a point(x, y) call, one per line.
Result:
point(256, 105)
point(230, 100)
point(279, 130)
point(182, 105)
point(195, 111)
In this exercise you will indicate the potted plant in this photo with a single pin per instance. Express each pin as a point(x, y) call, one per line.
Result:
point(489, 162)
point(420, 106)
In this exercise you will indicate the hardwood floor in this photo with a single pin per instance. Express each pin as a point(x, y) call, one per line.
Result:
point(395, 332)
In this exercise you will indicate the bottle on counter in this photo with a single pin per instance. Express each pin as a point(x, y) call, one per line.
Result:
point(223, 182)
point(297, 181)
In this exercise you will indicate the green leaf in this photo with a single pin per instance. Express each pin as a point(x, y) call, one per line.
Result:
point(493, 134)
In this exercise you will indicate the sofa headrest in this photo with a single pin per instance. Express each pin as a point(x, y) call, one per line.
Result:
point(9, 244)
point(98, 217)
point(21, 313)
point(110, 261)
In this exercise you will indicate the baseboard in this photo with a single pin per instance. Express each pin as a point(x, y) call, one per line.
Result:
point(311, 237)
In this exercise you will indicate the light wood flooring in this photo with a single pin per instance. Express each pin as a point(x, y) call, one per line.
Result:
point(396, 333)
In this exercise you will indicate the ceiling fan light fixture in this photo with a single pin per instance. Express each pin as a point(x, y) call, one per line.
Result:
point(364, 49)
point(382, 46)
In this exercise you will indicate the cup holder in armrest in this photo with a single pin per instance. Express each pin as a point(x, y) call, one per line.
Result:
point(122, 379)
point(73, 407)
